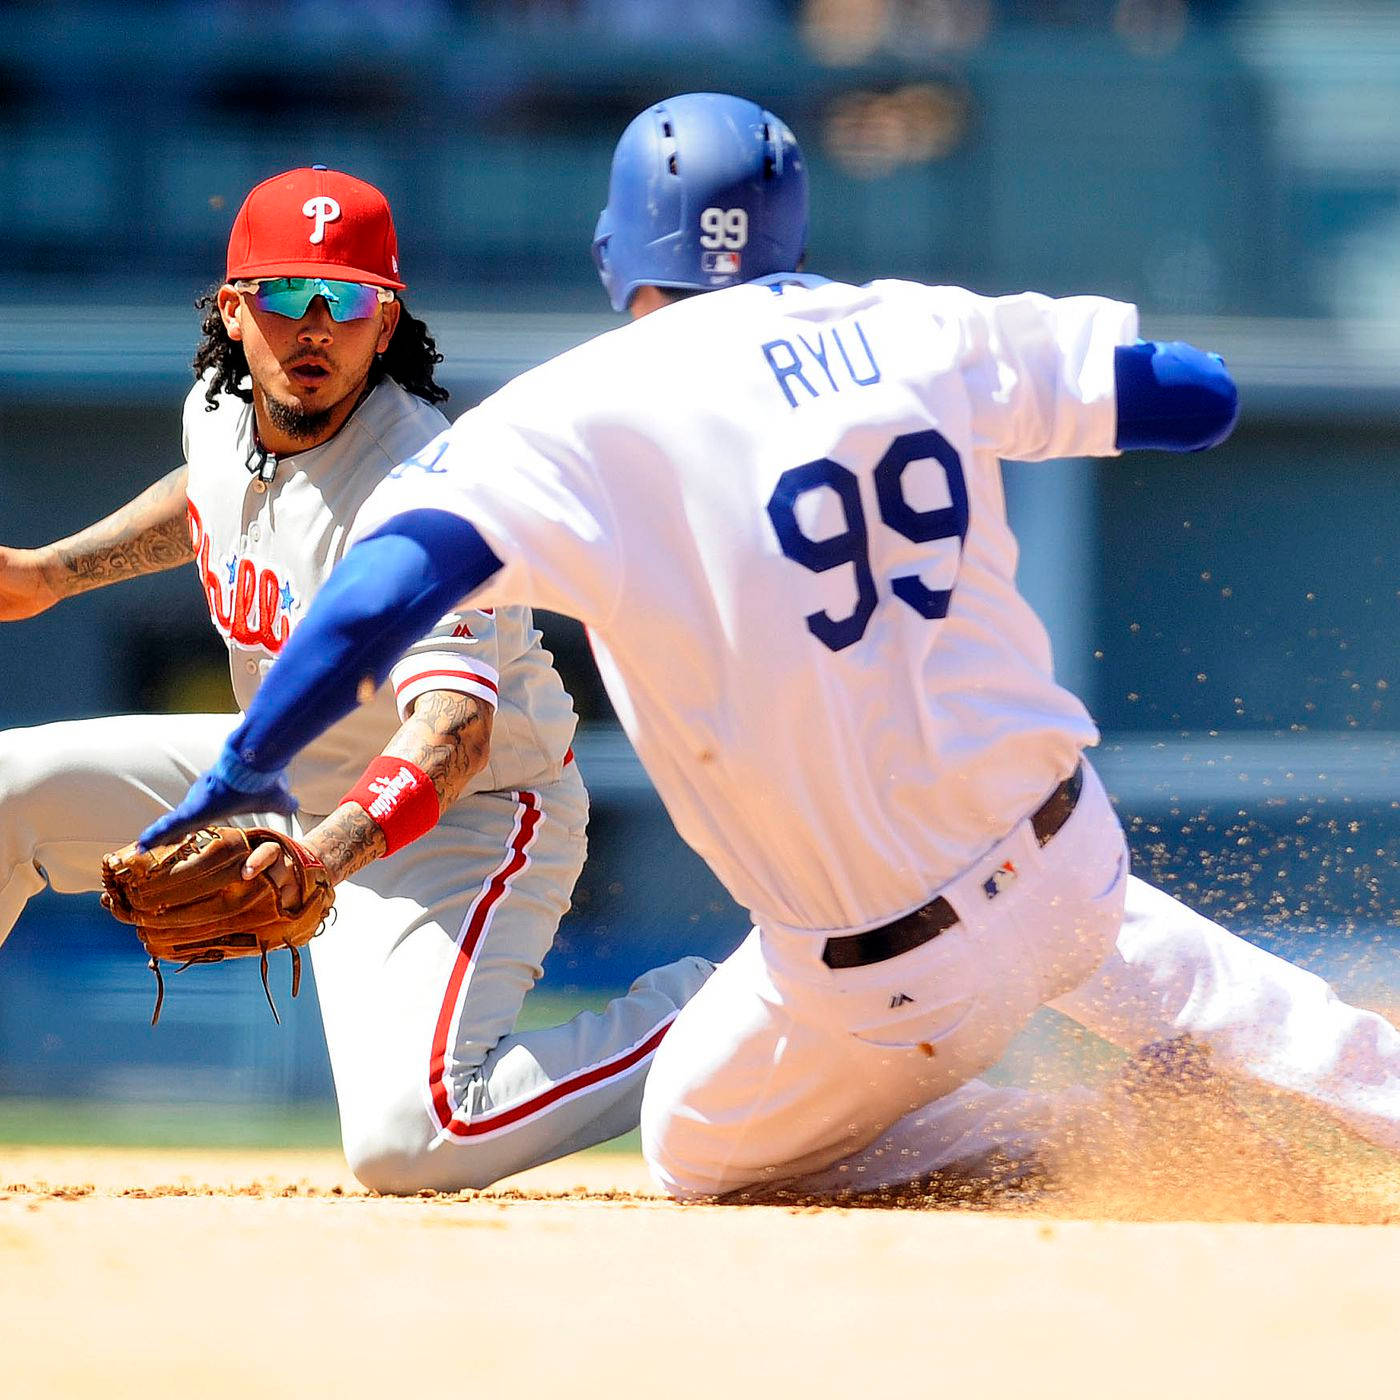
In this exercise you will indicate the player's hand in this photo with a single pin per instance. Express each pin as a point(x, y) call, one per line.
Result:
point(280, 868)
point(276, 862)
point(25, 590)
point(212, 800)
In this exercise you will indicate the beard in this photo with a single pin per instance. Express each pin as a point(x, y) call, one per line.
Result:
point(296, 422)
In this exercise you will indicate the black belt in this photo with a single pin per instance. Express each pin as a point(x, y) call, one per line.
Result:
point(937, 916)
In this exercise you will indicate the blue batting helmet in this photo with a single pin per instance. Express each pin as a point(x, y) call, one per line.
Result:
point(706, 191)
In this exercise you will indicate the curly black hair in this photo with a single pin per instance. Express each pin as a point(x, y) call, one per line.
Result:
point(408, 360)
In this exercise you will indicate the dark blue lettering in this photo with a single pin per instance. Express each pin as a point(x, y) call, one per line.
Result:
point(852, 545)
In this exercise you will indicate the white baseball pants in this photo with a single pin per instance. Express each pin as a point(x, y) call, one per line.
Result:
point(421, 976)
point(783, 1071)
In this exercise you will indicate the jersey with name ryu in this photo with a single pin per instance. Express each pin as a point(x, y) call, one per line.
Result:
point(263, 548)
point(779, 510)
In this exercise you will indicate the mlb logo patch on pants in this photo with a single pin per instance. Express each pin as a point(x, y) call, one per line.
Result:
point(999, 879)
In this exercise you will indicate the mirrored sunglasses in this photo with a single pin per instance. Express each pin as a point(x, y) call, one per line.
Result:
point(290, 296)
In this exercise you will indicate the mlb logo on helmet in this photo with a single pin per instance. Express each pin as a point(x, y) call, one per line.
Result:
point(720, 264)
point(315, 222)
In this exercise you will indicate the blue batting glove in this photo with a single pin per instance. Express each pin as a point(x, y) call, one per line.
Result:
point(230, 788)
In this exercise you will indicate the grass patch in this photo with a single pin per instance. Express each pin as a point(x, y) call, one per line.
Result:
point(84, 1123)
point(88, 1123)
point(40, 1122)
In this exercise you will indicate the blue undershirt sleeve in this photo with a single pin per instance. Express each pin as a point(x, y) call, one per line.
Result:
point(1173, 397)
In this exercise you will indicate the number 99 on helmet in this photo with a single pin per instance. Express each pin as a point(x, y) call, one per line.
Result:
point(707, 191)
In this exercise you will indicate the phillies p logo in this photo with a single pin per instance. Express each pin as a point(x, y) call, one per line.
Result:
point(324, 210)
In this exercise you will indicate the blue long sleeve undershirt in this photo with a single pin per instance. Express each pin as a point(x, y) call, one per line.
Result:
point(1173, 397)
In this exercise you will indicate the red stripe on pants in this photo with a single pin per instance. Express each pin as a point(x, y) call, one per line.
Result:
point(586, 1079)
point(473, 930)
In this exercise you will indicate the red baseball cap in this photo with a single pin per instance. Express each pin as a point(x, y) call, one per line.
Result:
point(315, 223)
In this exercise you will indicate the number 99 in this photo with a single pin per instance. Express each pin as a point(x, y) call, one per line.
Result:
point(724, 228)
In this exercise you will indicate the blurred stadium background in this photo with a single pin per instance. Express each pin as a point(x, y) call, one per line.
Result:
point(1231, 165)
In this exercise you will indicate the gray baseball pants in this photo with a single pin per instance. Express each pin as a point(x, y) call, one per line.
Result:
point(423, 973)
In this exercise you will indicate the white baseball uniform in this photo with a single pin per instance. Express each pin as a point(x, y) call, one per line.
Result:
point(434, 948)
point(778, 508)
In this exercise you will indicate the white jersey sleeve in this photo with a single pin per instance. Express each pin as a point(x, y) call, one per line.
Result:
point(1040, 371)
point(496, 655)
point(537, 503)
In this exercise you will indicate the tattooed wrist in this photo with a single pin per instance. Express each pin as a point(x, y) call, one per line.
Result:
point(347, 841)
point(448, 736)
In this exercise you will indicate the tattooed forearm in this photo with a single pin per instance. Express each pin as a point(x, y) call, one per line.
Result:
point(144, 537)
point(448, 736)
point(347, 841)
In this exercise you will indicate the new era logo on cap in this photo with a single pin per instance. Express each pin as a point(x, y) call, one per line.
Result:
point(315, 222)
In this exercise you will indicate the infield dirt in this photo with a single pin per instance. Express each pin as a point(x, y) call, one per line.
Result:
point(132, 1273)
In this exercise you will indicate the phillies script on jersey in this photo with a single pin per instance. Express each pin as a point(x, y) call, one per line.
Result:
point(249, 604)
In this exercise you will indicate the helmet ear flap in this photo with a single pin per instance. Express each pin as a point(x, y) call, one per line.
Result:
point(602, 236)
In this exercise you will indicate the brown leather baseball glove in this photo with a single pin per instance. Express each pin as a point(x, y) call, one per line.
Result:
point(190, 903)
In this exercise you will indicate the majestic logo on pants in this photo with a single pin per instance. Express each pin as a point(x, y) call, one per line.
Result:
point(325, 211)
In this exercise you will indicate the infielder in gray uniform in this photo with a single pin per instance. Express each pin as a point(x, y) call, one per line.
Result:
point(313, 382)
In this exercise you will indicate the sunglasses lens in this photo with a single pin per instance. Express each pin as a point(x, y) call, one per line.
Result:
point(285, 296)
point(290, 296)
point(350, 301)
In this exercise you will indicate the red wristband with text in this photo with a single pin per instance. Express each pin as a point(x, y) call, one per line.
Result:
point(400, 798)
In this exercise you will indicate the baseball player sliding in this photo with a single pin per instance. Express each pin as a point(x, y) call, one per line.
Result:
point(447, 810)
point(776, 502)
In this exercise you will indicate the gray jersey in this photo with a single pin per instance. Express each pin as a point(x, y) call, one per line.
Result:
point(421, 979)
point(264, 546)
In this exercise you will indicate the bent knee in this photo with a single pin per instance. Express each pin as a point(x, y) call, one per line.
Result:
point(391, 1169)
point(682, 1154)
point(34, 806)
point(405, 1168)
point(401, 1154)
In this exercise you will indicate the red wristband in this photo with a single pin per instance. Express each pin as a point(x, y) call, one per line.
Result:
point(399, 797)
